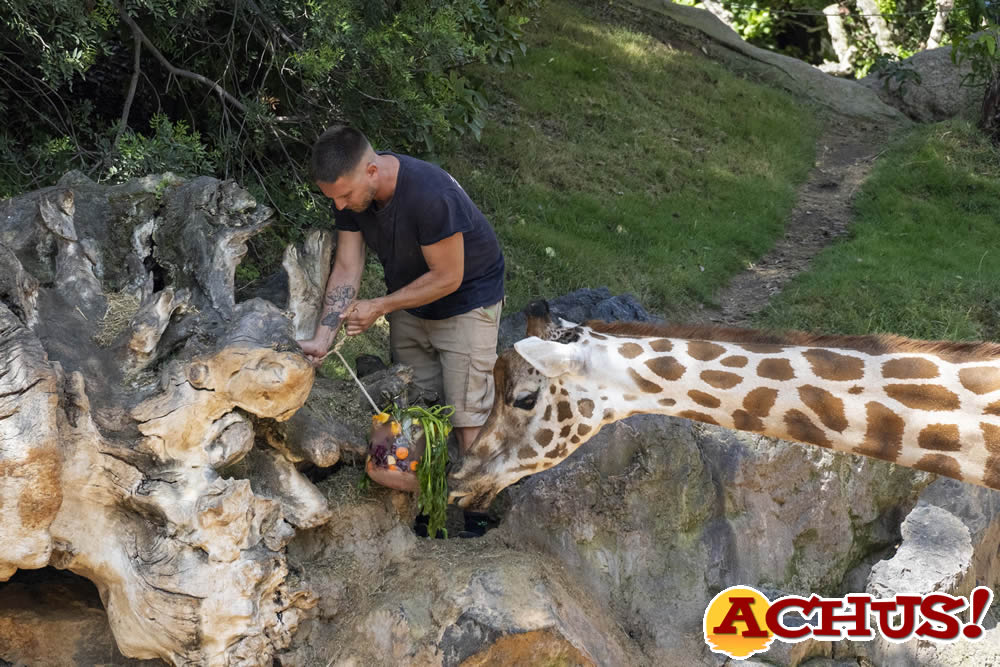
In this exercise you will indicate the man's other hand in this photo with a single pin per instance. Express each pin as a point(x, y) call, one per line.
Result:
point(362, 315)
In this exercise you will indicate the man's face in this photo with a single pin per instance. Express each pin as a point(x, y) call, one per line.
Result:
point(354, 191)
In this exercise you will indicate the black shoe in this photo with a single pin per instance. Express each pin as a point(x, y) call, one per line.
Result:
point(476, 524)
point(420, 527)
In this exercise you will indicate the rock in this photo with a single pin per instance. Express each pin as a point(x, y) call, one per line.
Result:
point(718, 41)
point(579, 306)
point(56, 619)
point(656, 515)
point(937, 95)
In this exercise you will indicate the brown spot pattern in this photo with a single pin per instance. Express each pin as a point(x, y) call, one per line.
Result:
point(703, 399)
point(910, 368)
point(760, 401)
point(775, 369)
point(884, 437)
point(557, 452)
point(698, 416)
point(721, 379)
point(735, 361)
point(940, 464)
point(993, 409)
point(575, 440)
point(629, 397)
point(856, 390)
point(608, 414)
point(482, 451)
point(565, 430)
point(586, 407)
point(583, 429)
point(597, 336)
point(704, 351)
point(526, 467)
point(923, 396)
point(940, 437)
point(991, 437)
point(564, 411)
point(644, 384)
point(762, 348)
point(745, 421)
point(667, 402)
point(833, 366)
point(981, 379)
point(801, 428)
point(827, 407)
point(544, 437)
point(661, 345)
point(630, 350)
point(548, 412)
point(526, 452)
point(667, 368)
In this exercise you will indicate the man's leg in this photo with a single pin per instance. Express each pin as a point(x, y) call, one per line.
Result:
point(410, 344)
point(467, 347)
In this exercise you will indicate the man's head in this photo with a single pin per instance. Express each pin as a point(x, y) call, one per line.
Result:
point(343, 166)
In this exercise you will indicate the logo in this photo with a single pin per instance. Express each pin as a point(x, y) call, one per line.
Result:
point(740, 621)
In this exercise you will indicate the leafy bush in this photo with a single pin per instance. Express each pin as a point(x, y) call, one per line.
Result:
point(238, 90)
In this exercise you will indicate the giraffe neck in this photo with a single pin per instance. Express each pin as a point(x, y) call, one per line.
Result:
point(917, 409)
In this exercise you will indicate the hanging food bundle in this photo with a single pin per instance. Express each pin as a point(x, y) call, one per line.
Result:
point(408, 451)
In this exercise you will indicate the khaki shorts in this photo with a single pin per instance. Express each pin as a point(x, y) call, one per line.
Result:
point(453, 356)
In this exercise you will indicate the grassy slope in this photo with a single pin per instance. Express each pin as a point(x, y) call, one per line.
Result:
point(923, 258)
point(614, 160)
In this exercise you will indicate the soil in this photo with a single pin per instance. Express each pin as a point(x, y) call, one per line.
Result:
point(845, 155)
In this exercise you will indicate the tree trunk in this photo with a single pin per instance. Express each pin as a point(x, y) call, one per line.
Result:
point(878, 26)
point(989, 120)
point(838, 38)
point(944, 8)
point(131, 385)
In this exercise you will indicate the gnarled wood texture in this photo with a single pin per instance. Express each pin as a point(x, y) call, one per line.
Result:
point(131, 382)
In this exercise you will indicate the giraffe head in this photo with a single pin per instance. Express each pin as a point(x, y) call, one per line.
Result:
point(542, 410)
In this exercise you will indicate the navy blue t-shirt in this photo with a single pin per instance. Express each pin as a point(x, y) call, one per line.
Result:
point(429, 206)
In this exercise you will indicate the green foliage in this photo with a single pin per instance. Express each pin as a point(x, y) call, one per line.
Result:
point(894, 74)
point(798, 28)
point(172, 147)
point(288, 69)
point(975, 28)
point(921, 257)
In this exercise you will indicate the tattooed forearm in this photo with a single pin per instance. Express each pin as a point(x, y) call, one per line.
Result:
point(336, 302)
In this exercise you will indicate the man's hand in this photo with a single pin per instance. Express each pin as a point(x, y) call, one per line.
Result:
point(362, 315)
point(315, 350)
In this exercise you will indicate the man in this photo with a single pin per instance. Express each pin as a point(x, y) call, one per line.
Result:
point(443, 270)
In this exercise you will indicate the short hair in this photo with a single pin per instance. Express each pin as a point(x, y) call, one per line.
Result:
point(337, 152)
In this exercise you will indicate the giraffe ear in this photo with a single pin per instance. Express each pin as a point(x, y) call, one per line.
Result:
point(550, 358)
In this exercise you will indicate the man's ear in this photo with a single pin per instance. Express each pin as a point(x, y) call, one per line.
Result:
point(551, 358)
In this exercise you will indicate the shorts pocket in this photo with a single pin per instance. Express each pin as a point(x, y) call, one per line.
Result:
point(479, 386)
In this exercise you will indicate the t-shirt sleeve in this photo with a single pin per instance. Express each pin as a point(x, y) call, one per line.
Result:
point(441, 217)
point(346, 221)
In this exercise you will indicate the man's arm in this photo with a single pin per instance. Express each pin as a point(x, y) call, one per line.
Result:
point(341, 288)
point(445, 270)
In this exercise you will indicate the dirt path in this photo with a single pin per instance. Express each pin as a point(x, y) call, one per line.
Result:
point(845, 155)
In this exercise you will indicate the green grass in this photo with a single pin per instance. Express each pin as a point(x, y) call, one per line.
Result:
point(611, 159)
point(923, 257)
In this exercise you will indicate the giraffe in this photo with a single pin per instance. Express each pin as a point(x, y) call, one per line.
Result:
point(933, 406)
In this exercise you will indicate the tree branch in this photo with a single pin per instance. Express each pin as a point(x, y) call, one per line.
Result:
point(176, 71)
point(127, 108)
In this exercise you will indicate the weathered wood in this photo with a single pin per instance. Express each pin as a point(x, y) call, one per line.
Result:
point(129, 378)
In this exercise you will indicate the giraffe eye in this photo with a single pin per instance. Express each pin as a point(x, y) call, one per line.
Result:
point(526, 401)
